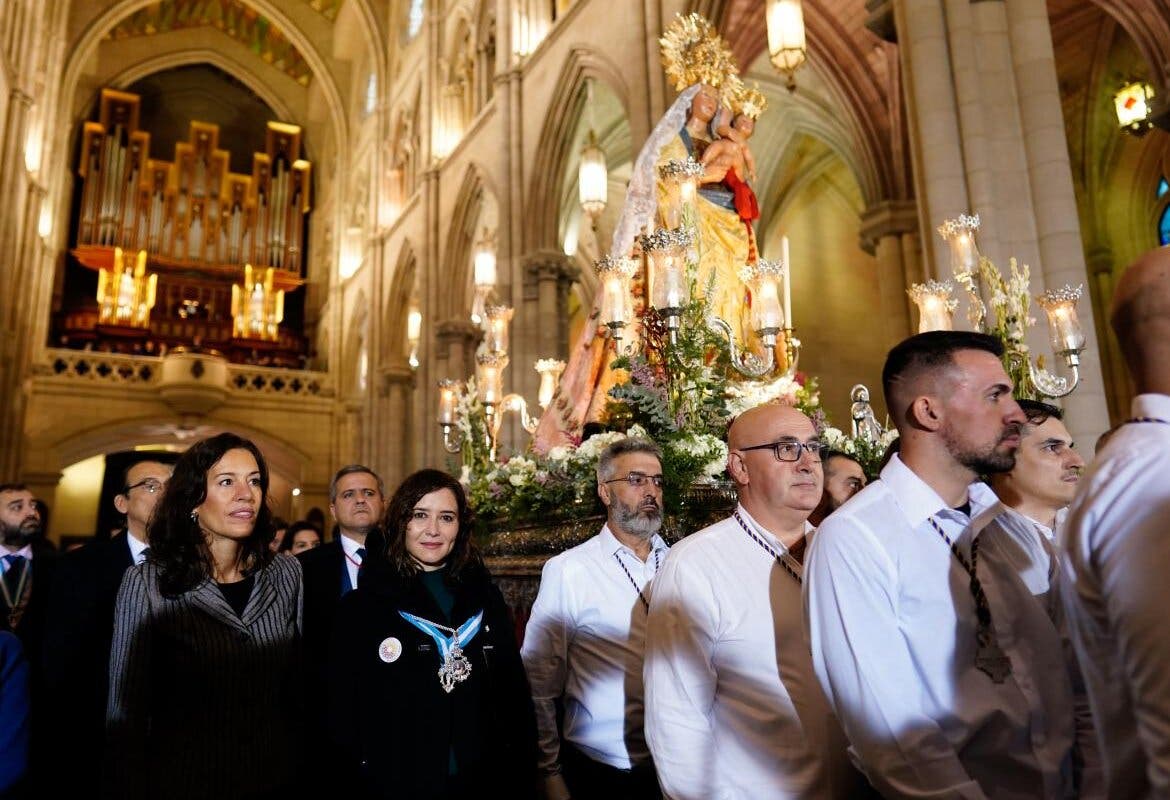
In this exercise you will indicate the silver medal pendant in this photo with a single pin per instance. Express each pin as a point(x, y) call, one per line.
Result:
point(454, 669)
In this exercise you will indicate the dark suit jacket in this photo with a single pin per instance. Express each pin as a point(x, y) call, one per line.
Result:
point(76, 652)
point(31, 630)
point(322, 568)
point(202, 701)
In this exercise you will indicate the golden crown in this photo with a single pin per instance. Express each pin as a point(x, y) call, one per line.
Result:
point(749, 101)
point(692, 52)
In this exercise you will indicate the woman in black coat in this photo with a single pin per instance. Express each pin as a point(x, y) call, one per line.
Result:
point(428, 696)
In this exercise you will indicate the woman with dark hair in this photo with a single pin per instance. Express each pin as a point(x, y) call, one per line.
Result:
point(299, 537)
point(205, 642)
point(428, 696)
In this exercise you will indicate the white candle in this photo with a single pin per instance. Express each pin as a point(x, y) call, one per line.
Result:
point(787, 282)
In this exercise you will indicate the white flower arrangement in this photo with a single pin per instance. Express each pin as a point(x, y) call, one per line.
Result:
point(749, 394)
point(703, 446)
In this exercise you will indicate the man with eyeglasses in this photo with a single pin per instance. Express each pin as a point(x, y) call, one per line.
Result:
point(949, 679)
point(584, 641)
point(733, 709)
point(81, 622)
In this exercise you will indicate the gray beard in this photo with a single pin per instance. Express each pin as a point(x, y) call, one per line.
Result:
point(635, 521)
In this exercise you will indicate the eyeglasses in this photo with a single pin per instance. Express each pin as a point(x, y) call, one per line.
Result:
point(638, 480)
point(790, 449)
point(150, 485)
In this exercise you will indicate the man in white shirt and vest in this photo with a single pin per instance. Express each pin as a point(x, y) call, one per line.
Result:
point(948, 677)
point(1117, 551)
point(733, 709)
point(584, 641)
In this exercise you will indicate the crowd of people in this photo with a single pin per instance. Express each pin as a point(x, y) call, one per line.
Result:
point(982, 621)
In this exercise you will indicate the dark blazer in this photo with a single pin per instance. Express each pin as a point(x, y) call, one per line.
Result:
point(76, 653)
point(31, 628)
point(393, 722)
point(322, 567)
point(202, 702)
point(14, 720)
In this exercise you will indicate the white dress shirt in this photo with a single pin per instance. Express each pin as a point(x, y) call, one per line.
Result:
point(25, 552)
point(1116, 573)
point(137, 547)
point(349, 549)
point(584, 644)
point(892, 627)
point(733, 709)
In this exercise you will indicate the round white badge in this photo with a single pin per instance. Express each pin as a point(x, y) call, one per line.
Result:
point(389, 650)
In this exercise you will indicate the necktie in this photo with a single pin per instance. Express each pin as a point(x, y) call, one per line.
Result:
point(361, 554)
point(144, 556)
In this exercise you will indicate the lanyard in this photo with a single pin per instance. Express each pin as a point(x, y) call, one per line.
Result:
point(641, 595)
point(989, 658)
point(785, 560)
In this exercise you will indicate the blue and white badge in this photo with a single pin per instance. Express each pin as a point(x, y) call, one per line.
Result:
point(455, 668)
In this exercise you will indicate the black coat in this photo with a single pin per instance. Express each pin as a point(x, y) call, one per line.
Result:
point(393, 721)
point(76, 652)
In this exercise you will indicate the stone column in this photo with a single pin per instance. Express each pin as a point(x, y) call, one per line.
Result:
point(988, 137)
point(549, 275)
point(457, 340)
point(940, 181)
point(882, 228)
point(398, 452)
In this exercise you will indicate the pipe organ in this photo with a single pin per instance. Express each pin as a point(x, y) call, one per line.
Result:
point(203, 228)
point(192, 210)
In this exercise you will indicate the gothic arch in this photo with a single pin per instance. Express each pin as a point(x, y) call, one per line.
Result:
point(355, 338)
point(397, 306)
point(556, 138)
point(1149, 27)
point(474, 195)
point(866, 103)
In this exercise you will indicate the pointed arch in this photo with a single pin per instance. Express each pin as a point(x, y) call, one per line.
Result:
point(397, 306)
point(474, 198)
point(556, 137)
point(356, 339)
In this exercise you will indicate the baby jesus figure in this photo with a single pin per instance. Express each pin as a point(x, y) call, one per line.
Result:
point(731, 157)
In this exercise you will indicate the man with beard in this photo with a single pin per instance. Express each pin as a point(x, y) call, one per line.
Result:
point(81, 623)
point(584, 641)
point(27, 565)
point(733, 709)
point(947, 676)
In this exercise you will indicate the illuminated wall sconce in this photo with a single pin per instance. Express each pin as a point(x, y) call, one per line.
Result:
point(413, 334)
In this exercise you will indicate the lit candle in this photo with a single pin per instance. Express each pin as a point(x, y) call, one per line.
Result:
point(767, 305)
point(550, 370)
point(787, 281)
point(448, 400)
point(614, 300)
point(1064, 328)
point(934, 315)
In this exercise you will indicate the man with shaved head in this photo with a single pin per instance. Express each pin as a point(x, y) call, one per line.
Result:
point(948, 677)
point(733, 709)
point(1117, 551)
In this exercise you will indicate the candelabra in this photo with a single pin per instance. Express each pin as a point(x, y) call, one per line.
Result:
point(126, 296)
point(1010, 300)
point(490, 362)
point(672, 254)
point(257, 308)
